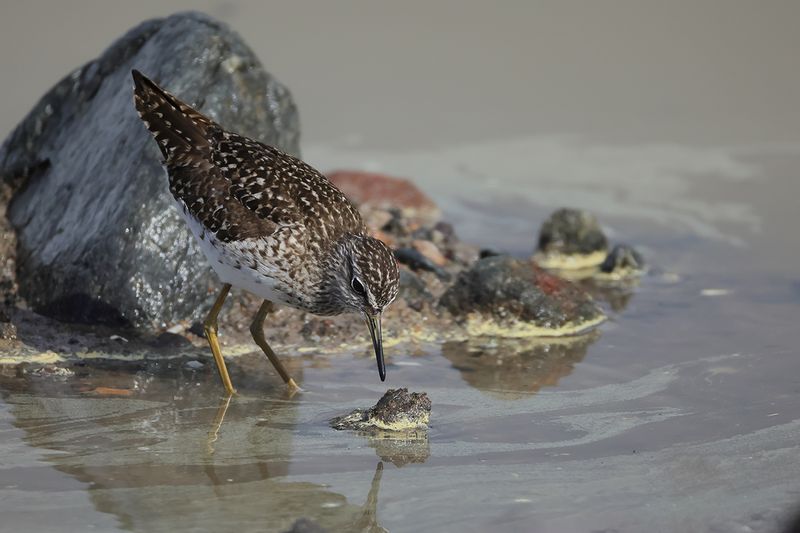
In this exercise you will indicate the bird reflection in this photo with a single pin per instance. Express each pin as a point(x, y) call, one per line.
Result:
point(516, 368)
point(176, 458)
point(368, 521)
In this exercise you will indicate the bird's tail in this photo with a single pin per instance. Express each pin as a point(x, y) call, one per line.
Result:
point(177, 128)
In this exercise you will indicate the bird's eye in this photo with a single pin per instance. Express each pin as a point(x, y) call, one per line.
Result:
point(358, 287)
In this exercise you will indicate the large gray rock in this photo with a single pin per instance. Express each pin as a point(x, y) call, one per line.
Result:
point(98, 237)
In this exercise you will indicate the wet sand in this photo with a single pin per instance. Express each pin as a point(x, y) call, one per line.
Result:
point(678, 127)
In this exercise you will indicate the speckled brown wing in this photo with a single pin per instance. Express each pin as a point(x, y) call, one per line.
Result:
point(206, 194)
point(236, 187)
point(281, 188)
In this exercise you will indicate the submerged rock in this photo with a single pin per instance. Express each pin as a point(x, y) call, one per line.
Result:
point(98, 238)
point(397, 410)
point(509, 297)
point(571, 239)
point(623, 261)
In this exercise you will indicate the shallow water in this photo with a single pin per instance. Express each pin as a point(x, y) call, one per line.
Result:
point(679, 414)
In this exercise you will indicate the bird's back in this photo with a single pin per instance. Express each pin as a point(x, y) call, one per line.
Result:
point(239, 188)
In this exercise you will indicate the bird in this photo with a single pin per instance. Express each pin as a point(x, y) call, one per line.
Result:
point(267, 223)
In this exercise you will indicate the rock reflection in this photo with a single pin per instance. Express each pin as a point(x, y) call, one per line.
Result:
point(176, 458)
point(515, 368)
point(401, 448)
point(617, 295)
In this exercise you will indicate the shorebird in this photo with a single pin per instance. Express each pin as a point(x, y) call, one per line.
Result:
point(268, 223)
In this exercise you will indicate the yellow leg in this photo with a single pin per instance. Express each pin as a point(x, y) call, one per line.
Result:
point(257, 329)
point(210, 327)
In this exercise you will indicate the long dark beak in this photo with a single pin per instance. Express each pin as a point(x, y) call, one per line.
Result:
point(374, 324)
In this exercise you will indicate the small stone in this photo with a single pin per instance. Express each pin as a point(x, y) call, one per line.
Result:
point(414, 259)
point(397, 410)
point(429, 250)
point(623, 260)
point(571, 239)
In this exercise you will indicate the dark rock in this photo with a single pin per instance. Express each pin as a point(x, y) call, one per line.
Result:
point(414, 259)
point(510, 290)
point(572, 237)
point(98, 238)
point(413, 290)
point(397, 410)
point(623, 259)
point(486, 252)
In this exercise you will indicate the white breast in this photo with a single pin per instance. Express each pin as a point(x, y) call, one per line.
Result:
point(223, 258)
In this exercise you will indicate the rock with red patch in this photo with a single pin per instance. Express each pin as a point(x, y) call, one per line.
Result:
point(368, 189)
point(507, 289)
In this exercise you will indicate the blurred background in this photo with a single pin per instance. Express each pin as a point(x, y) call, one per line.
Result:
point(424, 74)
point(532, 103)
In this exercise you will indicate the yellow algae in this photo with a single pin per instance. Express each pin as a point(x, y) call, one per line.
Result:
point(559, 261)
point(42, 358)
point(405, 423)
point(480, 326)
point(618, 274)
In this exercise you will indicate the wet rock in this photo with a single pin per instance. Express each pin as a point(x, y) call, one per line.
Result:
point(504, 296)
point(623, 261)
point(371, 190)
point(571, 239)
point(397, 410)
point(98, 238)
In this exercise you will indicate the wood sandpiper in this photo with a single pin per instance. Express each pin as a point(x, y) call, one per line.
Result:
point(268, 223)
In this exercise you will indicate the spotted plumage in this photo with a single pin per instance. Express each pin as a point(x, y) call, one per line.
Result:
point(267, 221)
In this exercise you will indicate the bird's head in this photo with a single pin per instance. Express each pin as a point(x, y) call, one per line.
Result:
point(366, 281)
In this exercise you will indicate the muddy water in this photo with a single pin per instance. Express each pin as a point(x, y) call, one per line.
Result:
point(679, 414)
